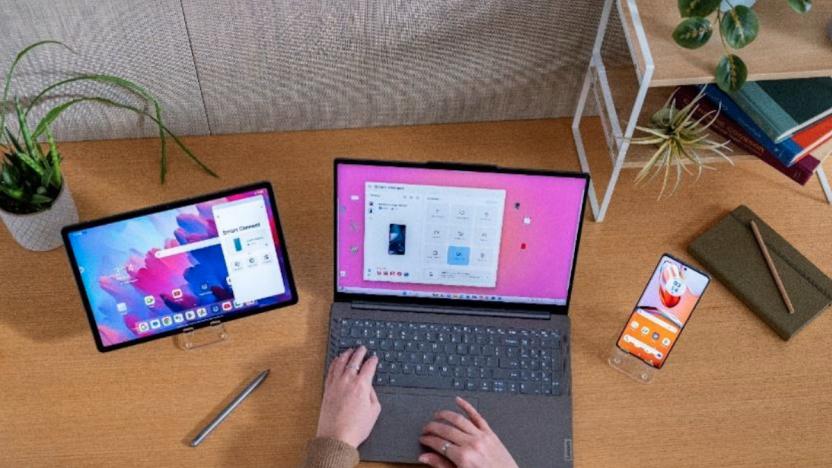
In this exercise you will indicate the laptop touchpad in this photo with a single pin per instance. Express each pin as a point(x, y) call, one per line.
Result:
point(396, 434)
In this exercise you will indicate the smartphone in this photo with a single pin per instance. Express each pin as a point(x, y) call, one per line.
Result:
point(396, 241)
point(663, 310)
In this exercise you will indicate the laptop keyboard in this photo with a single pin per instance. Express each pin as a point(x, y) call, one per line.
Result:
point(459, 357)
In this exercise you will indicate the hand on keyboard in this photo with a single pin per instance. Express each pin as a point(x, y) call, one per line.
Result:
point(458, 357)
point(350, 408)
point(463, 442)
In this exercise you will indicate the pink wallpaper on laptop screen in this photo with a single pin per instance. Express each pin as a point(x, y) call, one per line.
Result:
point(541, 218)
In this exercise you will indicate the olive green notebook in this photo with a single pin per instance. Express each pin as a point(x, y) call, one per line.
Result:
point(729, 252)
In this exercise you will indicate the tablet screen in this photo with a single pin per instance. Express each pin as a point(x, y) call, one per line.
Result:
point(157, 271)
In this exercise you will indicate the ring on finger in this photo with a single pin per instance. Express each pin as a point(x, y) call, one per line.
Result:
point(445, 449)
point(355, 367)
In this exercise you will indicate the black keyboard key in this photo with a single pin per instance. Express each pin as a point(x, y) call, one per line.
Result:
point(529, 388)
point(471, 384)
point(507, 363)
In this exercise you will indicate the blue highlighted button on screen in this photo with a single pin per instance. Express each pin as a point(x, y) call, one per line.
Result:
point(238, 245)
point(458, 255)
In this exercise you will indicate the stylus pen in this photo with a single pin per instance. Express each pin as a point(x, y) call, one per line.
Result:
point(228, 409)
point(771, 268)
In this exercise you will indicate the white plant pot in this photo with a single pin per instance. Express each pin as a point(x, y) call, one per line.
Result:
point(42, 231)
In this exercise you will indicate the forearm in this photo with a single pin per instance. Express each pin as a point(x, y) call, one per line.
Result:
point(324, 452)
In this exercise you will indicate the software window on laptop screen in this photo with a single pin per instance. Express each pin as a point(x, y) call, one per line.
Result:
point(441, 233)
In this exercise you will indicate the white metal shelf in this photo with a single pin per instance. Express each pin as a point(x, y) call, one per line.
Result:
point(597, 80)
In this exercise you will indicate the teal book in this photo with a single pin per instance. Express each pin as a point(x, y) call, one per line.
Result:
point(782, 107)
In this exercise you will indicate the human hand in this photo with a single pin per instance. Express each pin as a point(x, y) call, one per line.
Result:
point(463, 442)
point(350, 408)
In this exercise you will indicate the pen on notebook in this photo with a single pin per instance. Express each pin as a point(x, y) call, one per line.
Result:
point(207, 430)
point(771, 267)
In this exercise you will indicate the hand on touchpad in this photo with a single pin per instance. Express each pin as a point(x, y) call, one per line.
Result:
point(396, 434)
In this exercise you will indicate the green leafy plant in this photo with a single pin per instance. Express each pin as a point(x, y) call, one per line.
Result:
point(30, 175)
point(30, 178)
point(680, 139)
point(738, 27)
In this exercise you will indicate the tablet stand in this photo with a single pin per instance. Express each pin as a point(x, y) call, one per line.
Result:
point(196, 338)
point(635, 368)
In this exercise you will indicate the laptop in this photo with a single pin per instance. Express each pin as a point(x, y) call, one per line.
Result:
point(458, 277)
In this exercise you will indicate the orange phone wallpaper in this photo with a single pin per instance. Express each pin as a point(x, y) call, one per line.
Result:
point(662, 311)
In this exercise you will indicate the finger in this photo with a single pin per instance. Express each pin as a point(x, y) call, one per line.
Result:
point(457, 420)
point(336, 367)
point(449, 433)
point(355, 360)
point(436, 444)
point(368, 370)
point(434, 460)
point(473, 414)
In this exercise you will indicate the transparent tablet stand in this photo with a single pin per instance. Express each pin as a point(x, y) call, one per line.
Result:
point(632, 366)
point(197, 338)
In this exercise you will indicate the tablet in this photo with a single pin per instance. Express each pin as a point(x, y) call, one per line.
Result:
point(180, 266)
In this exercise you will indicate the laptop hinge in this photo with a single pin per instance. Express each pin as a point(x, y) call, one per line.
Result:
point(451, 310)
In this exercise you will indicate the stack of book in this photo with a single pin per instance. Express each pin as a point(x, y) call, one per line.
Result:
point(786, 123)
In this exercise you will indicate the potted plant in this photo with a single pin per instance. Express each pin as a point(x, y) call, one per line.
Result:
point(737, 26)
point(35, 202)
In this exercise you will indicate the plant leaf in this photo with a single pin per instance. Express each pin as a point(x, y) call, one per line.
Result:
point(165, 129)
point(693, 33)
point(801, 6)
point(10, 73)
point(53, 114)
point(124, 84)
point(31, 148)
point(731, 73)
point(55, 159)
point(15, 143)
point(689, 8)
point(739, 26)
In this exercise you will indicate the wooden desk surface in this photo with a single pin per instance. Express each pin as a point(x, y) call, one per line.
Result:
point(732, 393)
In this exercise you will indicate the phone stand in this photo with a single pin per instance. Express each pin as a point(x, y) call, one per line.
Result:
point(631, 366)
point(197, 338)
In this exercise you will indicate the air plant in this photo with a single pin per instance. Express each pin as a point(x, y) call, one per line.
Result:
point(681, 138)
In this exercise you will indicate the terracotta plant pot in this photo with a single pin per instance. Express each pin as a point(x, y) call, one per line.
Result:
point(42, 231)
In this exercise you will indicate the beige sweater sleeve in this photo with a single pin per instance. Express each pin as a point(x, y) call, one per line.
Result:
point(330, 453)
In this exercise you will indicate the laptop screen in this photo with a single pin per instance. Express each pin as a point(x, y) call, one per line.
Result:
point(476, 235)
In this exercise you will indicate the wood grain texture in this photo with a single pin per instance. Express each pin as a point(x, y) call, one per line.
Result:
point(789, 45)
point(732, 394)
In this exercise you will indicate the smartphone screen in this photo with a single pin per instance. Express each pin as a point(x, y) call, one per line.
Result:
point(396, 242)
point(662, 311)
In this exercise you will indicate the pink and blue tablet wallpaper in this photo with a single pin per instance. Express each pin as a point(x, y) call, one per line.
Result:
point(129, 288)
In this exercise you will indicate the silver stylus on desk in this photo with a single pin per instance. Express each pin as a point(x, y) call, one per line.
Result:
point(228, 409)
